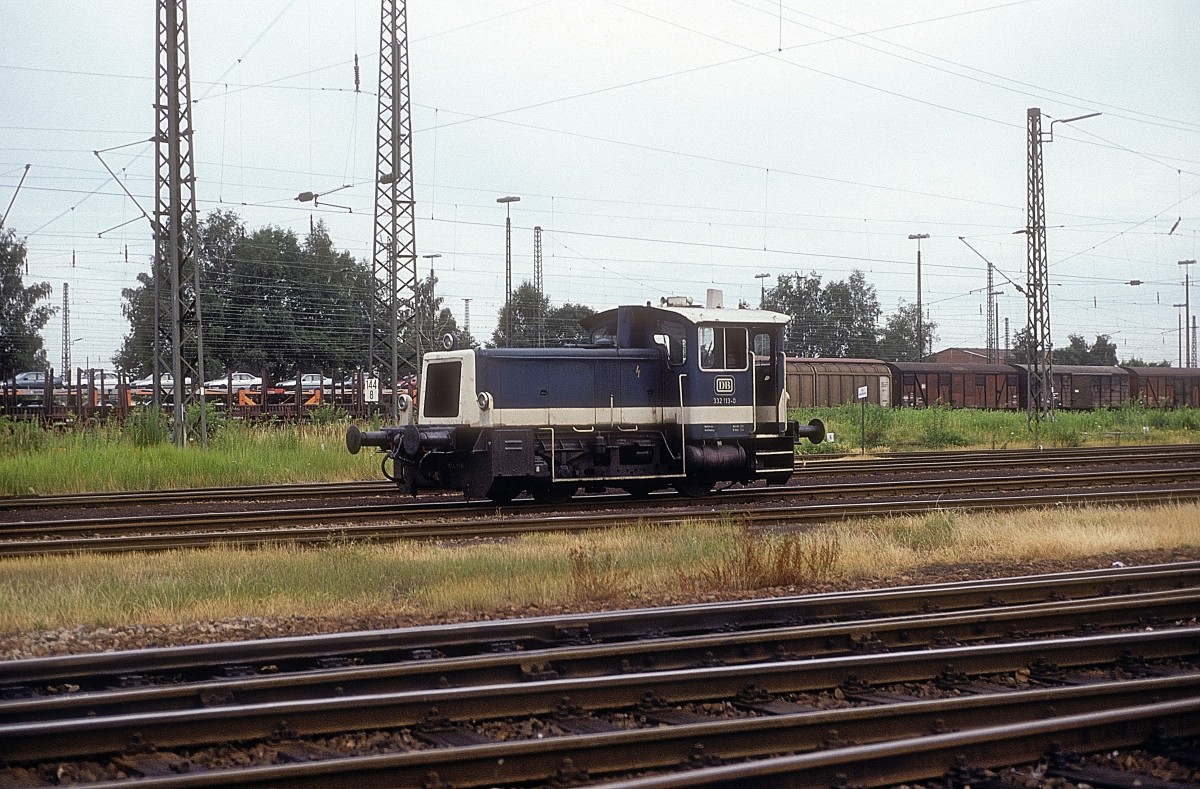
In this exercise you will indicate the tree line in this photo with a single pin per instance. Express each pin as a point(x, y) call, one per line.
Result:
point(275, 303)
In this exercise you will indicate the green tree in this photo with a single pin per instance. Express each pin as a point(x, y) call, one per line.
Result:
point(273, 304)
point(527, 307)
point(434, 321)
point(562, 324)
point(1101, 352)
point(1134, 361)
point(898, 341)
point(1020, 347)
point(22, 316)
point(838, 319)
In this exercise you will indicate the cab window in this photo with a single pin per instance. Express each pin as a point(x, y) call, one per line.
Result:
point(672, 335)
point(722, 347)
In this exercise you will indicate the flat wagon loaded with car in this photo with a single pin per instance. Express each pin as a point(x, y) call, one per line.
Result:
point(675, 395)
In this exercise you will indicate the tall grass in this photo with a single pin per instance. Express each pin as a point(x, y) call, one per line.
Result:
point(137, 456)
point(618, 567)
point(898, 429)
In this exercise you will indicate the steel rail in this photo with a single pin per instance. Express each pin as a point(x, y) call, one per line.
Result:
point(670, 747)
point(100, 526)
point(814, 465)
point(658, 654)
point(932, 756)
point(504, 524)
point(46, 740)
point(200, 661)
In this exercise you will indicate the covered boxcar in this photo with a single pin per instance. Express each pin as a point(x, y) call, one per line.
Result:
point(924, 384)
point(1083, 387)
point(816, 383)
point(1165, 387)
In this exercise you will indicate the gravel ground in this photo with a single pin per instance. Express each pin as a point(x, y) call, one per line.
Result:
point(82, 639)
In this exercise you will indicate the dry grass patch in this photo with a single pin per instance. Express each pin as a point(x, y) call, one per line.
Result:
point(624, 566)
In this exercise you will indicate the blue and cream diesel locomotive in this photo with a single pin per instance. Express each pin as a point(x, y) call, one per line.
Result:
point(675, 395)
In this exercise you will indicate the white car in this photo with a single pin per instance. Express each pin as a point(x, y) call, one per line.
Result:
point(307, 382)
point(235, 382)
point(166, 380)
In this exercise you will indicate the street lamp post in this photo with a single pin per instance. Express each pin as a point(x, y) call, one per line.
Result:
point(1179, 329)
point(508, 201)
point(1190, 357)
point(762, 298)
point(920, 314)
point(432, 309)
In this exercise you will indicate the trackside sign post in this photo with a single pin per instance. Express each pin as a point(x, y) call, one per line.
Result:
point(862, 422)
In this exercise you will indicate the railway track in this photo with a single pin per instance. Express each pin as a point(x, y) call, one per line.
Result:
point(807, 466)
point(628, 692)
point(445, 519)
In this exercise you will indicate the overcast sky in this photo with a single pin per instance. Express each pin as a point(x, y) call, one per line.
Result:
point(664, 146)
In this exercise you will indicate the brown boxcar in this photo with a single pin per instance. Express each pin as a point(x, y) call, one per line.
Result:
point(1090, 386)
point(924, 384)
point(1165, 387)
point(832, 382)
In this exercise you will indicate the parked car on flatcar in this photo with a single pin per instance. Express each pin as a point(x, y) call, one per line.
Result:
point(307, 382)
point(165, 380)
point(234, 382)
point(33, 379)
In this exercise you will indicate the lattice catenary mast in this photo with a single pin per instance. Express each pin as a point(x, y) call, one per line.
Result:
point(66, 331)
point(175, 232)
point(394, 250)
point(1040, 387)
point(537, 284)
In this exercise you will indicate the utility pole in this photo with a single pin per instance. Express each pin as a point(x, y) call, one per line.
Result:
point(394, 248)
point(1189, 343)
point(538, 284)
point(1179, 330)
point(996, 338)
point(66, 331)
point(176, 237)
point(467, 315)
point(920, 310)
point(1040, 387)
point(1041, 378)
point(991, 317)
point(433, 311)
point(508, 201)
point(762, 288)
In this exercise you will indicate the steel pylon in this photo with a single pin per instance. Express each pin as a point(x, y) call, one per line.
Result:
point(394, 250)
point(1040, 389)
point(176, 238)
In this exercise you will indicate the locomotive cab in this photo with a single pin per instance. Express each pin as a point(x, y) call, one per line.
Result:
point(661, 396)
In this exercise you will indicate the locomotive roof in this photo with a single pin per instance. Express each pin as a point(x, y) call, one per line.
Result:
point(700, 315)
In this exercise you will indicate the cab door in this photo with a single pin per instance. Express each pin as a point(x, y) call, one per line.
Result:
point(770, 392)
point(720, 400)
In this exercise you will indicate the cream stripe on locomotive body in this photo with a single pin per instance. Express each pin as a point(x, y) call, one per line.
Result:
point(670, 395)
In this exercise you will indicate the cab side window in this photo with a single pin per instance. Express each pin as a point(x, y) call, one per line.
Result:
point(722, 347)
point(672, 335)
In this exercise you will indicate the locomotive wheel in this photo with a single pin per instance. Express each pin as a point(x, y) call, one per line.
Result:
point(694, 488)
point(554, 493)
